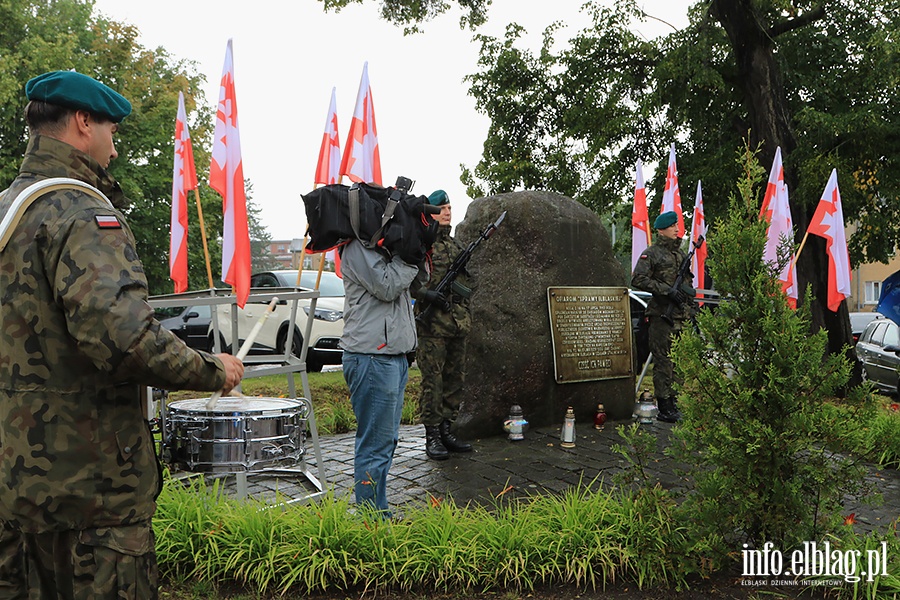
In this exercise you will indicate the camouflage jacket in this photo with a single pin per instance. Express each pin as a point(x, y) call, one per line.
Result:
point(77, 340)
point(656, 271)
point(458, 321)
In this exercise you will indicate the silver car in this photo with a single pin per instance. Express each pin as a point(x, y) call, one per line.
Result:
point(328, 321)
point(878, 350)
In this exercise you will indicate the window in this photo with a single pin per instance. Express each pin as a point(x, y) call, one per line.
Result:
point(891, 338)
point(873, 292)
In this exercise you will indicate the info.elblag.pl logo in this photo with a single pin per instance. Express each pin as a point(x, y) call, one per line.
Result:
point(820, 562)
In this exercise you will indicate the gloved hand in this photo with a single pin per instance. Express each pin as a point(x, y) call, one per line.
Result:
point(676, 296)
point(433, 297)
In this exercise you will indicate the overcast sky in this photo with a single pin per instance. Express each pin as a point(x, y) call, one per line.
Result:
point(288, 54)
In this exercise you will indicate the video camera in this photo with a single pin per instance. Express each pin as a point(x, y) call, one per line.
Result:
point(384, 218)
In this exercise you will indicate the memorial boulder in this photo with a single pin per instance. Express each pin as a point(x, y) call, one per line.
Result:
point(546, 241)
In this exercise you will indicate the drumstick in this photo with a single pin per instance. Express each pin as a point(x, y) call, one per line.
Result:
point(245, 348)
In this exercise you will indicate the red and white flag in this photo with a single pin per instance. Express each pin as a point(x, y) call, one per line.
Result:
point(828, 222)
point(640, 218)
point(776, 179)
point(329, 167)
point(671, 199)
point(776, 210)
point(361, 161)
point(184, 179)
point(226, 176)
point(698, 229)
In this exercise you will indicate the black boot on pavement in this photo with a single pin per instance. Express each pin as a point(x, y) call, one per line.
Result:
point(666, 412)
point(675, 411)
point(433, 446)
point(451, 442)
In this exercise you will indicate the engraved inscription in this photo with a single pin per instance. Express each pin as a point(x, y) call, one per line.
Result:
point(591, 332)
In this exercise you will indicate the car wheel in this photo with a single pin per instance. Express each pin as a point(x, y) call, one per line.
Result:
point(297, 346)
point(211, 346)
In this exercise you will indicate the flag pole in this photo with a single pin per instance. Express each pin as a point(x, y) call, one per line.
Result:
point(796, 256)
point(203, 236)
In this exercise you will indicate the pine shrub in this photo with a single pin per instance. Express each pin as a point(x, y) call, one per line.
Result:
point(754, 381)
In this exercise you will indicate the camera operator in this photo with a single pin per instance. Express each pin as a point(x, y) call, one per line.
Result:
point(379, 333)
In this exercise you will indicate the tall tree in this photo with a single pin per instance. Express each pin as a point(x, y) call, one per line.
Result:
point(41, 35)
point(818, 78)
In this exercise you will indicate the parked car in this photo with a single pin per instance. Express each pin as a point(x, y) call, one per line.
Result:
point(878, 351)
point(859, 320)
point(190, 323)
point(327, 327)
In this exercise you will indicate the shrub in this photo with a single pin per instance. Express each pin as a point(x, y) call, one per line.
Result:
point(755, 381)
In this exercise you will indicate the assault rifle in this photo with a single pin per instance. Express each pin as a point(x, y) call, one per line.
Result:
point(459, 265)
point(683, 271)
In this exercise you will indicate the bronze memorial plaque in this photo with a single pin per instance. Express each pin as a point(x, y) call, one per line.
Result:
point(591, 332)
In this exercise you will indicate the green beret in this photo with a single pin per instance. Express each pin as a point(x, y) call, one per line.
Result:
point(74, 90)
point(438, 198)
point(666, 219)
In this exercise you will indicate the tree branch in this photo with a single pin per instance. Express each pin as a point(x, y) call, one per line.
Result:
point(803, 20)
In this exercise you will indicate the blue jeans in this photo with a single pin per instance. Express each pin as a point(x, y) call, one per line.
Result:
point(376, 383)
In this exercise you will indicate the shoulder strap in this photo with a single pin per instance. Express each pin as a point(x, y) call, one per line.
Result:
point(34, 191)
point(353, 197)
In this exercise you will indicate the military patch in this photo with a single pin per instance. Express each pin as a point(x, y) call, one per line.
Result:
point(108, 222)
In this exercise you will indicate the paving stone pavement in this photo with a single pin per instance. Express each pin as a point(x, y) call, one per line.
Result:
point(499, 469)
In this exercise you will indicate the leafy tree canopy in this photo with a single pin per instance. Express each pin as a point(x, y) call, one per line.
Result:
point(39, 36)
point(412, 13)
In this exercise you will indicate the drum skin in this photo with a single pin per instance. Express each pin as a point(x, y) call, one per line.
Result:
point(238, 435)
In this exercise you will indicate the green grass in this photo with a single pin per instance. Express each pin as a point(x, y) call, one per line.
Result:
point(583, 538)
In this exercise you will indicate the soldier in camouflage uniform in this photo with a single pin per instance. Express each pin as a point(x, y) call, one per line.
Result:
point(441, 354)
point(79, 474)
point(655, 272)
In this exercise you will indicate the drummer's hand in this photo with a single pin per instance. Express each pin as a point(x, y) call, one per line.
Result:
point(234, 371)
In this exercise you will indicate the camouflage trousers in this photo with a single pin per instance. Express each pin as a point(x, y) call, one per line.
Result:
point(661, 335)
point(442, 361)
point(109, 563)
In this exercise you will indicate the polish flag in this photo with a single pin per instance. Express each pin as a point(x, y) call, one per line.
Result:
point(776, 210)
point(671, 199)
point(184, 179)
point(698, 229)
point(361, 161)
point(328, 168)
point(828, 222)
point(226, 176)
point(640, 219)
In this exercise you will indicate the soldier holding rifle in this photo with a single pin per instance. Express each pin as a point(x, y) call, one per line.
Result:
point(657, 272)
point(442, 340)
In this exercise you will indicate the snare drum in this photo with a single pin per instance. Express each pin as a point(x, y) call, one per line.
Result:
point(239, 434)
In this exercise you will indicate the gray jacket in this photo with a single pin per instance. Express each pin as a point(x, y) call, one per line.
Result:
point(378, 314)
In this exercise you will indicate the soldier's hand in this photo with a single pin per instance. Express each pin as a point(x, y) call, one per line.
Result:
point(234, 371)
point(675, 295)
point(433, 297)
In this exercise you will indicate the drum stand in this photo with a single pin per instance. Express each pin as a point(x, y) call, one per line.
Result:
point(311, 486)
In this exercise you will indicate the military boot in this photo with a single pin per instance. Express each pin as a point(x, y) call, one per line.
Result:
point(675, 411)
point(433, 446)
point(451, 442)
point(666, 412)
